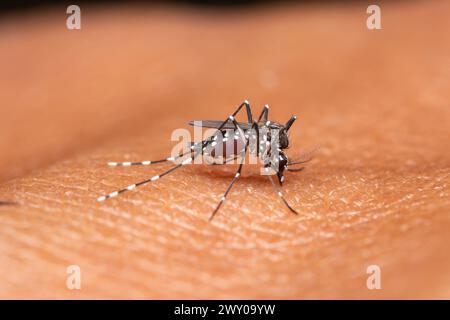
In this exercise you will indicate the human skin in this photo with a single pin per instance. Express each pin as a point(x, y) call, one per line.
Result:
point(376, 192)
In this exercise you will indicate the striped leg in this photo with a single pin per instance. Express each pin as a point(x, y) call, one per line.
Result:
point(154, 178)
point(280, 194)
point(264, 114)
point(238, 172)
point(139, 163)
point(149, 162)
point(236, 176)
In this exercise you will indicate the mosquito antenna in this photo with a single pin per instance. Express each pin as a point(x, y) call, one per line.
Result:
point(306, 154)
point(299, 162)
point(280, 194)
point(290, 122)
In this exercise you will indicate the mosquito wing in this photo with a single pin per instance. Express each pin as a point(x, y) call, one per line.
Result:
point(217, 123)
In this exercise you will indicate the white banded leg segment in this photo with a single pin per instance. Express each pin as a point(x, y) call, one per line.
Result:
point(140, 163)
point(111, 195)
point(152, 179)
point(143, 163)
point(222, 199)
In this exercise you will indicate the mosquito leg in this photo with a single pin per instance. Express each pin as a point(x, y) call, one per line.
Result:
point(280, 194)
point(264, 114)
point(249, 112)
point(238, 172)
point(236, 176)
point(149, 162)
point(152, 179)
point(139, 163)
point(232, 117)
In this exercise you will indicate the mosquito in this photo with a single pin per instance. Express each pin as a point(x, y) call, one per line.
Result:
point(231, 141)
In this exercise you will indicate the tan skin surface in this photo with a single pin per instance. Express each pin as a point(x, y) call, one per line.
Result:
point(377, 192)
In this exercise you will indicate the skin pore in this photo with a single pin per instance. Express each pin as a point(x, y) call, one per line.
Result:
point(376, 193)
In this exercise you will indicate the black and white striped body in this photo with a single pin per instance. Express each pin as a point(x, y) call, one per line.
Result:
point(227, 145)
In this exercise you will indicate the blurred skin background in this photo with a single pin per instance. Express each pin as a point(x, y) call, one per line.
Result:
point(376, 194)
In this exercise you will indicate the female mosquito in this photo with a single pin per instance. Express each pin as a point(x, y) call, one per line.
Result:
point(231, 141)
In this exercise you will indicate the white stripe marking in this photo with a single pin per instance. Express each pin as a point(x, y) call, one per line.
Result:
point(131, 187)
point(102, 198)
point(112, 164)
point(146, 163)
point(154, 178)
point(113, 194)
